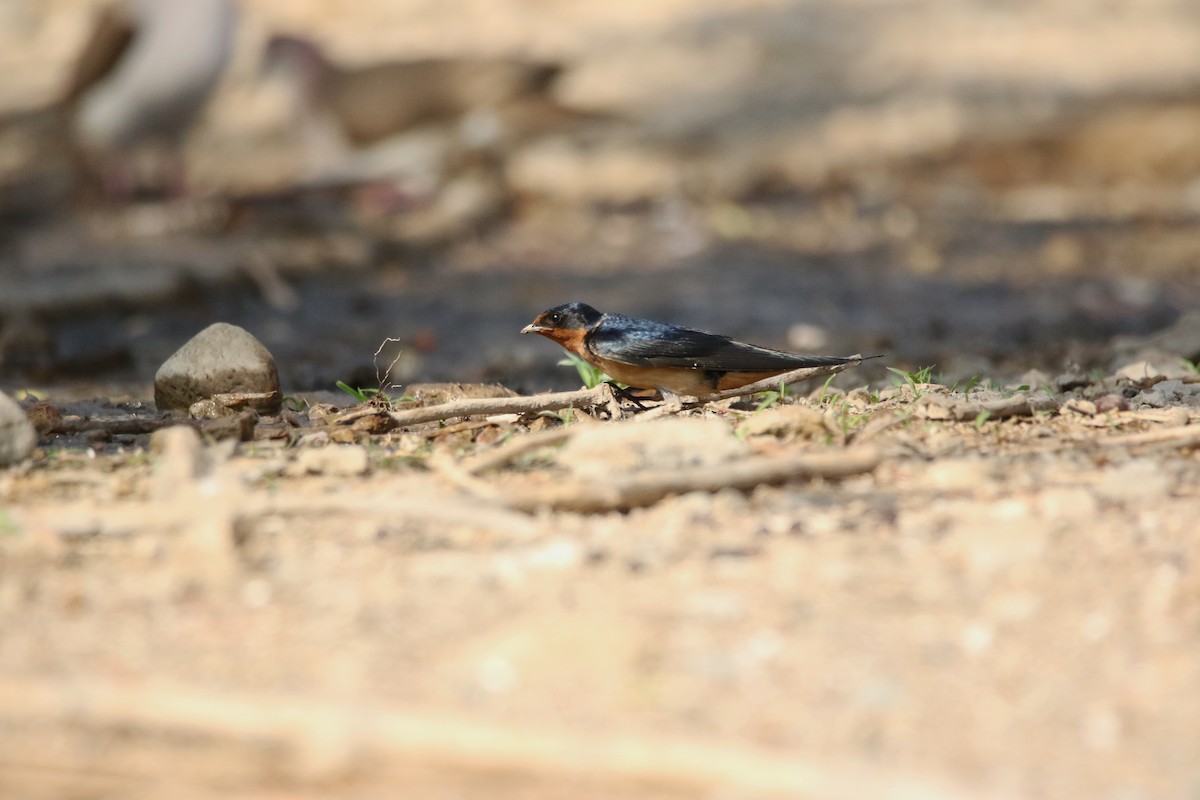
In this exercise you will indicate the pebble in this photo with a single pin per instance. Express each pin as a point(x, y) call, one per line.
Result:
point(221, 358)
point(1084, 407)
point(1137, 370)
point(17, 434)
point(1168, 393)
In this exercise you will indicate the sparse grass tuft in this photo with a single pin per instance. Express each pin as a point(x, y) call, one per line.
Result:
point(825, 387)
point(971, 383)
point(773, 397)
point(590, 376)
point(372, 395)
point(361, 395)
point(912, 379)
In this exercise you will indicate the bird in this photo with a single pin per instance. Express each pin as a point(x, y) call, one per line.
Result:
point(146, 72)
point(139, 80)
point(375, 102)
point(419, 145)
point(676, 361)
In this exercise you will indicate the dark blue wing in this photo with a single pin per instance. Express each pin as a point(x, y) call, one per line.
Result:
point(645, 343)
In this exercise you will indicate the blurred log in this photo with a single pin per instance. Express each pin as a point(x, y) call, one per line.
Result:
point(347, 738)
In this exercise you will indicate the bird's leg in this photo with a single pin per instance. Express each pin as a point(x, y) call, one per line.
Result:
point(612, 402)
point(625, 394)
point(672, 403)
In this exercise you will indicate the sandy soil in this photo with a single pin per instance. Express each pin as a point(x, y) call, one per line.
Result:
point(1001, 606)
point(988, 589)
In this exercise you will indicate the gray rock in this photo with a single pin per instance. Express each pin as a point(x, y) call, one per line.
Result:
point(17, 436)
point(222, 358)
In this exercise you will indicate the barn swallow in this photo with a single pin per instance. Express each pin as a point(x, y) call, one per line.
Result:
point(655, 355)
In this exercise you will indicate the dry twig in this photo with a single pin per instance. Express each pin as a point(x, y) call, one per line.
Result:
point(582, 398)
point(1180, 437)
point(501, 455)
point(646, 488)
point(602, 395)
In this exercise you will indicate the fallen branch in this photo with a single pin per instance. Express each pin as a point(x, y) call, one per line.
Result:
point(647, 488)
point(602, 395)
point(501, 455)
point(581, 398)
point(1179, 437)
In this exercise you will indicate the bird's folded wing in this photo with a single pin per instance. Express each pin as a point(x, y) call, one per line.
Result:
point(644, 343)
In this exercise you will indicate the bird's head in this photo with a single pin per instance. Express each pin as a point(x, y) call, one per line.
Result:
point(566, 321)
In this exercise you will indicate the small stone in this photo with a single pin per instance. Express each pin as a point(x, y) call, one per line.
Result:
point(319, 411)
point(343, 461)
point(1084, 407)
point(240, 427)
point(208, 409)
point(1137, 371)
point(220, 359)
point(1161, 395)
point(17, 434)
point(227, 404)
point(1110, 403)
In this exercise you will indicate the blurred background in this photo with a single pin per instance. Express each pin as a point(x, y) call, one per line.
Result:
point(983, 186)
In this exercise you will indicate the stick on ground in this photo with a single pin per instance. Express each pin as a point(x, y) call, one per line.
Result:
point(581, 398)
point(647, 488)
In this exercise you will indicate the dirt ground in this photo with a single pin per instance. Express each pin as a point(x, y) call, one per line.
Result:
point(976, 582)
point(1001, 606)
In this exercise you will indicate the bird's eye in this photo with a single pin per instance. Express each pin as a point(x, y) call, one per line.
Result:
point(556, 317)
